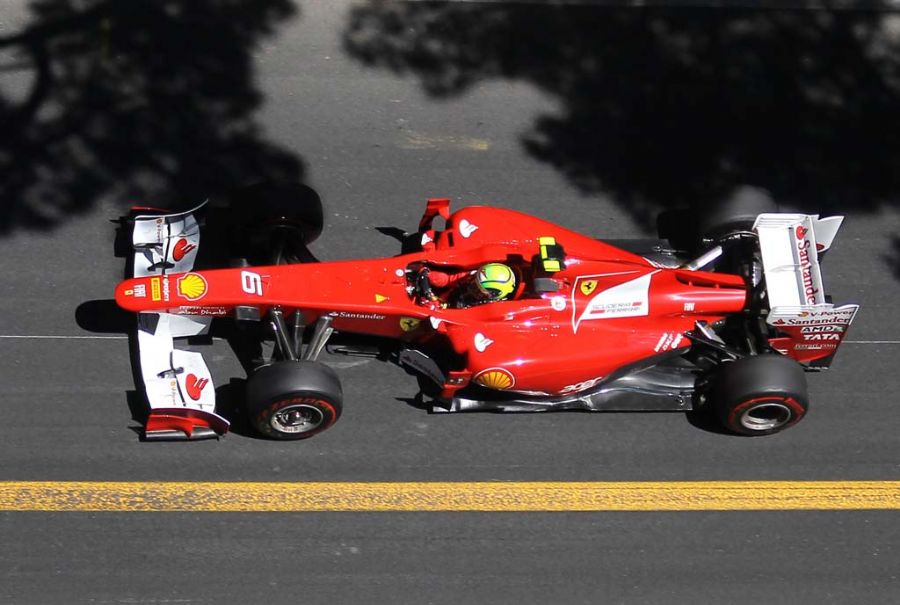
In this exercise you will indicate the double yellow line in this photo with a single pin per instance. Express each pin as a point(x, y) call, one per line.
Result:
point(447, 496)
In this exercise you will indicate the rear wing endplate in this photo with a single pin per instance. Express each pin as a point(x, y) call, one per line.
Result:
point(791, 246)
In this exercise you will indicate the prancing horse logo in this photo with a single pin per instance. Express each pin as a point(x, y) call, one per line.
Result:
point(408, 324)
point(588, 286)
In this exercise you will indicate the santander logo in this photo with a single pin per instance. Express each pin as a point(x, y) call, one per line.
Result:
point(182, 247)
point(194, 385)
point(801, 231)
point(466, 229)
point(482, 342)
point(809, 289)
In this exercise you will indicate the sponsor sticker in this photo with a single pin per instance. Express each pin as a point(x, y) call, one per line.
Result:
point(580, 386)
point(668, 341)
point(495, 378)
point(380, 298)
point(205, 311)
point(155, 291)
point(819, 329)
point(139, 291)
point(558, 303)
point(181, 248)
point(191, 286)
point(626, 299)
point(350, 315)
point(194, 386)
point(466, 229)
point(482, 342)
point(839, 316)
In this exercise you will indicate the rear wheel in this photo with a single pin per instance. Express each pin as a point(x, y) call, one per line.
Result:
point(735, 214)
point(290, 400)
point(760, 395)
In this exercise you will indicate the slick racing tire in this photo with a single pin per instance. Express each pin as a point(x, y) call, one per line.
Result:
point(760, 395)
point(272, 223)
point(735, 214)
point(291, 400)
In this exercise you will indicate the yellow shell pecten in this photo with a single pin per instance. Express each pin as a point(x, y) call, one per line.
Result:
point(496, 378)
point(192, 286)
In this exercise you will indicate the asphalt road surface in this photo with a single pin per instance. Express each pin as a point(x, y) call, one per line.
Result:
point(376, 133)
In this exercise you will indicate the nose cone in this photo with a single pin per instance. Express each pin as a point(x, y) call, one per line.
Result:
point(133, 294)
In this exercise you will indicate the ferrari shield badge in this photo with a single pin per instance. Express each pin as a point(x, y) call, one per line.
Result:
point(588, 286)
point(408, 324)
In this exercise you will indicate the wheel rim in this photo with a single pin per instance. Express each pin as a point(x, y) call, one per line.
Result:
point(297, 418)
point(766, 416)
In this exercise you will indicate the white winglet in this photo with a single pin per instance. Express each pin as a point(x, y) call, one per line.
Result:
point(176, 380)
point(168, 242)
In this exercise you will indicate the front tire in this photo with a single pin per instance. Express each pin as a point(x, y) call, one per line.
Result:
point(760, 395)
point(290, 400)
point(273, 223)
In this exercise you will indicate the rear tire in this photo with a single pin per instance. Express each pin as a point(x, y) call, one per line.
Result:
point(735, 214)
point(760, 395)
point(291, 400)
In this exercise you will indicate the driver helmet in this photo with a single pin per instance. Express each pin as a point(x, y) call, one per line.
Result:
point(495, 281)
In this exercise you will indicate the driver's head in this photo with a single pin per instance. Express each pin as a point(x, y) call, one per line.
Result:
point(496, 281)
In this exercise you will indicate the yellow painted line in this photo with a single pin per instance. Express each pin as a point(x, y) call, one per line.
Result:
point(411, 139)
point(488, 496)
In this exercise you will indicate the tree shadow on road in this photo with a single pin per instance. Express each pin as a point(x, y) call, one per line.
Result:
point(666, 107)
point(138, 101)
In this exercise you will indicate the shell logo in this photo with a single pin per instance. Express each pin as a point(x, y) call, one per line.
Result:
point(192, 286)
point(495, 378)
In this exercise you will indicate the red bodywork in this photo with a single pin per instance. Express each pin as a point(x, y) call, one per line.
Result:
point(611, 307)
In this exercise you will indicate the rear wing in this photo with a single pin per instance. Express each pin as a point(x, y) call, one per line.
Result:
point(792, 246)
point(177, 383)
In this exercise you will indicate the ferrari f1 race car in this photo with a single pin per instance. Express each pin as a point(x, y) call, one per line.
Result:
point(492, 310)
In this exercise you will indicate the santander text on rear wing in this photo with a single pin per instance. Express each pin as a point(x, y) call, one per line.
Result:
point(810, 328)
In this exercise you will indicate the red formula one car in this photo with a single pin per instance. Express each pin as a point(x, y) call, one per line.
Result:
point(728, 321)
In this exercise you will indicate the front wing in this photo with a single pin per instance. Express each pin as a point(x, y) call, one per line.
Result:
point(177, 383)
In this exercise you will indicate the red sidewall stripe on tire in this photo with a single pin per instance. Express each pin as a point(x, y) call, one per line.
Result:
point(792, 404)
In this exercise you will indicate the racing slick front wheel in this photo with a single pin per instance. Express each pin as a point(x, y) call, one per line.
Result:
point(290, 400)
point(271, 223)
point(760, 395)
